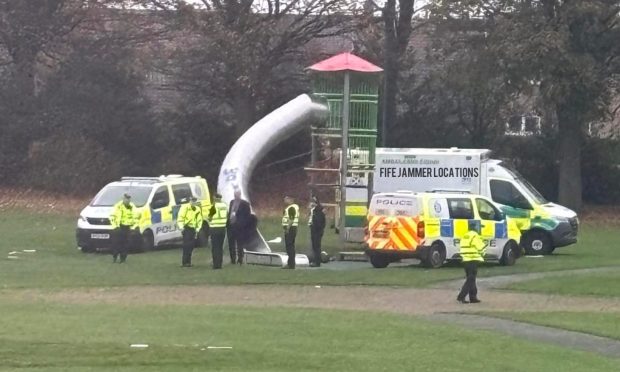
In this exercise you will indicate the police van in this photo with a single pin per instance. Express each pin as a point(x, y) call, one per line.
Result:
point(429, 226)
point(157, 201)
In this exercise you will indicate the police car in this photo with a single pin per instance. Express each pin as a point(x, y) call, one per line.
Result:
point(429, 226)
point(157, 200)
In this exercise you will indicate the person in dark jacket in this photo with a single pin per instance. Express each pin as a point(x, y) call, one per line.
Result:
point(316, 222)
point(239, 223)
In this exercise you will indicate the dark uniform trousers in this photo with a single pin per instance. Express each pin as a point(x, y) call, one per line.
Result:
point(218, 234)
point(316, 235)
point(121, 245)
point(236, 244)
point(469, 287)
point(189, 241)
point(289, 241)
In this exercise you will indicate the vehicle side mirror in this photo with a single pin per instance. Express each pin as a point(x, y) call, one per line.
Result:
point(501, 216)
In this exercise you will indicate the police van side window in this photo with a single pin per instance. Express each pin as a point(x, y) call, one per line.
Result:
point(461, 209)
point(487, 211)
point(161, 198)
point(182, 193)
point(506, 193)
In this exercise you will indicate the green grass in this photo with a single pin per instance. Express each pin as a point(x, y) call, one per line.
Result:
point(604, 284)
point(57, 262)
point(57, 337)
point(600, 324)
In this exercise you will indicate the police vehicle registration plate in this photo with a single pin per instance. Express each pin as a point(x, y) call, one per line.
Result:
point(100, 236)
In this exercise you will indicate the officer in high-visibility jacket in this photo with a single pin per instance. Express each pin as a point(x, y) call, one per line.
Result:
point(472, 249)
point(190, 222)
point(123, 220)
point(290, 222)
point(218, 215)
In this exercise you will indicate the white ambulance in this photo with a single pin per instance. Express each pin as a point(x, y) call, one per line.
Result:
point(544, 225)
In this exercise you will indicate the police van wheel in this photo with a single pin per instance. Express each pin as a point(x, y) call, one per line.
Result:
point(379, 261)
point(148, 241)
point(435, 256)
point(509, 255)
point(537, 243)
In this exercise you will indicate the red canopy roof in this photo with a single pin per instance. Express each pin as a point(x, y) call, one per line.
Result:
point(345, 61)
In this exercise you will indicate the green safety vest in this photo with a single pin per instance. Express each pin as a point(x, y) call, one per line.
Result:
point(220, 216)
point(123, 216)
point(190, 217)
point(285, 218)
point(472, 247)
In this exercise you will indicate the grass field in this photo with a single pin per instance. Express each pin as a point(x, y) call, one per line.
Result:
point(57, 262)
point(57, 337)
point(600, 324)
point(592, 284)
point(37, 334)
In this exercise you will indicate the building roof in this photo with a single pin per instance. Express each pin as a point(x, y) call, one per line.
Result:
point(345, 61)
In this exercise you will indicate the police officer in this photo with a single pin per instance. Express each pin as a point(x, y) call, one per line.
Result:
point(317, 227)
point(124, 221)
point(218, 216)
point(472, 252)
point(190, 222)
point(290, 221)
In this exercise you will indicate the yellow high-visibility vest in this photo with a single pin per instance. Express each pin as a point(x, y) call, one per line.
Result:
point(190, 216)
point(285, 218)
point(220, 216)
point(123, 215)
point(472, 247)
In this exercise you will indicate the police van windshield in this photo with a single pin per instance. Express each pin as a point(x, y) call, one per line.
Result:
point(111, 195)
point(529, 189)
point(393, 205)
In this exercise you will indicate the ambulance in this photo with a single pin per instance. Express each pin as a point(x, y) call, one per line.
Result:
point(429, 226)
point(157, 200)
point(545, 226)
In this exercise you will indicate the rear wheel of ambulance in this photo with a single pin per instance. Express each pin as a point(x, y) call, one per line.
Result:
point(509, 255)
point(435, 256)
point(379, 260)
point(537, 243)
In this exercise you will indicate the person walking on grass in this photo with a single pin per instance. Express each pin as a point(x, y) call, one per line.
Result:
point(472, 249)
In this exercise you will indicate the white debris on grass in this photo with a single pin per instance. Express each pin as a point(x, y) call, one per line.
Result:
point(317, 286)
point(277, 240)
point(139, 346)
point(219, 347)
point(539, 256)
point(12, 257)
point(30, 250)
point(13, 253)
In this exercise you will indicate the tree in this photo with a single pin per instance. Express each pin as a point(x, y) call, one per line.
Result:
point(397, 26)
point(569, 49)
point(240, 61)
point(463, 91)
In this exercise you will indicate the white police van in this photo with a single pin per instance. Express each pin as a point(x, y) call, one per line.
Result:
point(157, 200)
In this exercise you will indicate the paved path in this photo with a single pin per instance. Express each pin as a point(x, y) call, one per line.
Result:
point(574, 340)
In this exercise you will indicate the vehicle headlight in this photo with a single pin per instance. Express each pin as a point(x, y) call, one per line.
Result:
point(82, 218)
